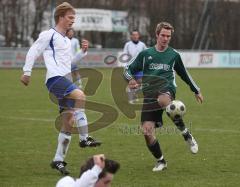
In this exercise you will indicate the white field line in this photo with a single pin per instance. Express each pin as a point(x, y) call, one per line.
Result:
point(134, 128)
point(217, 130)
point(28, 119)
point(211, 130)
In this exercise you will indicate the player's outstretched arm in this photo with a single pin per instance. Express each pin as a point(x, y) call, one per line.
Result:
point(199, 97)
point(33, 53)
point(185, 76)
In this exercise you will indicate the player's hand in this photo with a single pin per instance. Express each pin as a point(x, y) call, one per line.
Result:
point(199, 97)
point(133, 84)
point(84, 45)
point(99, 160)
point(25, 79)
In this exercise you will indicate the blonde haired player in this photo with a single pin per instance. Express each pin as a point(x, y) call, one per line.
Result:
point(56, 50)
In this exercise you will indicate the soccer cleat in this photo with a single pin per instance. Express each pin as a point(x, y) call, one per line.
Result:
point(160, 165)
point(89, 142)
point(60, 166)
point(192, 144)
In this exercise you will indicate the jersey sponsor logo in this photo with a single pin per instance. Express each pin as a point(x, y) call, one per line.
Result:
point(155, 66)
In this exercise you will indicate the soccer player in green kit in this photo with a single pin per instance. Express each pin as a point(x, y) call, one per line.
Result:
point(158, 64)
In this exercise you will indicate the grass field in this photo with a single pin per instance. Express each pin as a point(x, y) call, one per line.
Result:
point(28, 135)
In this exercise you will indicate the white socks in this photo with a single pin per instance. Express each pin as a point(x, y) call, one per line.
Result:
point(63, 144)
point(64, 139)
point(185, 131)
point(82, 123)
point(160, 158)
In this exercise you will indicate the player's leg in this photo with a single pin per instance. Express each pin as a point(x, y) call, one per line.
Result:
point(150, 118)
point(164, 99)
point(190, 140)
point(64, 139)
point(153, 145)
point(82, 125)
point(81, 119)
point(57, 86)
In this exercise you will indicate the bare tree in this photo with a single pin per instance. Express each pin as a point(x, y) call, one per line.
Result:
point(41, 6)
point(219, 29)
point(19, 18)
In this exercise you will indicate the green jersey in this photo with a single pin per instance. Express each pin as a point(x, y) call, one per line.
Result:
point(159, 71)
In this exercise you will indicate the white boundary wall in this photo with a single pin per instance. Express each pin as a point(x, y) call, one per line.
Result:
point(14, 58)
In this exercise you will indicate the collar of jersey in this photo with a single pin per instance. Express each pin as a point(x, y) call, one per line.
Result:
point(160, 51)
point(58, 32)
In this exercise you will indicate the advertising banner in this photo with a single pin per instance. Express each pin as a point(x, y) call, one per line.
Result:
point(15, 58)
point(93, 20)
point(199, 59)
point(119, 21)
point(229, 60)
point(100, 20)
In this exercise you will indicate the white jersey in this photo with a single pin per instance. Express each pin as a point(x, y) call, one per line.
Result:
point(75, 46)
point(88, 179)
point(133, 49)
point(56, 50)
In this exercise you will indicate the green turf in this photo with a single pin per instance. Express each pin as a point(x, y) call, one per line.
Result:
point(28, 136)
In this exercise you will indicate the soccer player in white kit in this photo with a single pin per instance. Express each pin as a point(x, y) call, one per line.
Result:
point(96, 172)
point(56, 50)
point(132, 48)
point(75, 50)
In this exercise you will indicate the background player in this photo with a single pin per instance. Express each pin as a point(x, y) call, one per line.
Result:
point(158, 64)
point(132, 48)
point(75, 50)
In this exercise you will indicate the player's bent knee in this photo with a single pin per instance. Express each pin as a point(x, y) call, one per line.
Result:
point(148, 128)
point(77, 95)
point(164, 100)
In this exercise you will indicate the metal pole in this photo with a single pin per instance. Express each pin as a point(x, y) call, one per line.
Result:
point(53, 4)
point(200, 24)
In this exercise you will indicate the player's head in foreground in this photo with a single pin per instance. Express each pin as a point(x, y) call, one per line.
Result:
point(110, 167)
point(64, 16)
point(164, 31)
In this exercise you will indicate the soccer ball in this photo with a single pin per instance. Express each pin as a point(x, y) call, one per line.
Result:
point(176, 109)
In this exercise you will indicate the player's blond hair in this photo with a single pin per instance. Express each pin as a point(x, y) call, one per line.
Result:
point(163, 25)
point(61, 10)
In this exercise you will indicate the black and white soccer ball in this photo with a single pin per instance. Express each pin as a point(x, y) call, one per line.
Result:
point(176, 109)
